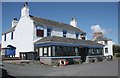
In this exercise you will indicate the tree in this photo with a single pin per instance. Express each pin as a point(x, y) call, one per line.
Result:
point(116, 50)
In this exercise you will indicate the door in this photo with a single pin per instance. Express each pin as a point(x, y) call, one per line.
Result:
point(23, 56)
point(82, 53)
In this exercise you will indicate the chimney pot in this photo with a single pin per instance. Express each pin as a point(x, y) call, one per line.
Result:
point(15, 18)
point(73, 22)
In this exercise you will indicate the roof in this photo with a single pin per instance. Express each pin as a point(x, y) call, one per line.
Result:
point(50, 23)
point(100, 38)
point(78, 42)
point(56, 24)
point(10, 30)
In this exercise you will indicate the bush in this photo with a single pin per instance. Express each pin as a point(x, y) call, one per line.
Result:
point(117, 54)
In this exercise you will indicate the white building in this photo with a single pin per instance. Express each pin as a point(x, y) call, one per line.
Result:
point(108, 44)
point(45, 37)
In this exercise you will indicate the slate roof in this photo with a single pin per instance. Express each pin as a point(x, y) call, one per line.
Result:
point(50, 23)
point(100, 38)
point(56, 24)
point(68, 40)
point(10, 30)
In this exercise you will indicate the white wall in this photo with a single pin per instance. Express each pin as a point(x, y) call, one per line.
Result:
point(8, 40)
point(71, 34)
point(110, 49)
point(24, 35)
point(57, 32)
point(109, 46)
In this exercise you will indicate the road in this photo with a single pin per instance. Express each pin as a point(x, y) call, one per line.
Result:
point(106, 68)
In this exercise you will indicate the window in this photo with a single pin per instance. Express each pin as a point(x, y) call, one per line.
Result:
point(5, 37)
point(48, 32)
point(77, 35)
point(45, 51)
point(106, 50)
point(39, 31)
point(11, 35)
point(83, 36)
point(105, 42)
point(64, 33)
point(64, 51)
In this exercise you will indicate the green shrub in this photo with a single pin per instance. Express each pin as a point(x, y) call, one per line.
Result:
point(117, 54)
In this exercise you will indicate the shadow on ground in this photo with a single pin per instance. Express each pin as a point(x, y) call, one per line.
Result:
point(5, 74)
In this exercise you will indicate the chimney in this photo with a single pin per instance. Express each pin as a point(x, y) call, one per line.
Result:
point(73, 22)
point(14, 22)
point(25, 10)
point(98, 34)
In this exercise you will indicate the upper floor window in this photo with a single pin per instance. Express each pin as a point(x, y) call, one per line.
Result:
point(11, 35)
point(64, 33)
point(105, 42)
point(5, 37)
point(83, 36)
point(77, 35)
point(106, 50)
point(39, 31)
point(49, 32)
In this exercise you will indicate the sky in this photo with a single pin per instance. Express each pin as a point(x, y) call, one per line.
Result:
point(88, 14)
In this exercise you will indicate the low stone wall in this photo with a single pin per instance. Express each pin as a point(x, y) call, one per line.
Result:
point(96, 58)
point(47, 61)
point(56, 60)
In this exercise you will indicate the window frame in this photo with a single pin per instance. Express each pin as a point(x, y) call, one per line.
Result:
point(49, 31)
point(106, 42)
point(5, 37)
point(106, 50)
point(64, 33)
point(40, 28)
point(77, 35)
point(11, 35)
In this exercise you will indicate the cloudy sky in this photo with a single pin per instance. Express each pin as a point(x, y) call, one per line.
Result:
point(91, 16)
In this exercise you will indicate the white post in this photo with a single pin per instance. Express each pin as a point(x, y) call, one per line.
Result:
point(49, 51)
point(53, 50)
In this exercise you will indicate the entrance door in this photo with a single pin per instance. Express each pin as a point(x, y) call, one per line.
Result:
point(82, 53)
point(23, 56)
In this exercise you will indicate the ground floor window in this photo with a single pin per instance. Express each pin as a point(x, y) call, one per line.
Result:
point(106, 50)
point(95, 51)
point(47, 51)
point(44, 51)
point(65, 51)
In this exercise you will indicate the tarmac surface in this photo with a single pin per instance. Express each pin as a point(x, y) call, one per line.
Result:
point(105, 68)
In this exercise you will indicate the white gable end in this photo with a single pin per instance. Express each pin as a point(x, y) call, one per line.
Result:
point(24, 35)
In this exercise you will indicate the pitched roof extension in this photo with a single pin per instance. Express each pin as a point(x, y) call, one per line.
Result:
point(68, 40)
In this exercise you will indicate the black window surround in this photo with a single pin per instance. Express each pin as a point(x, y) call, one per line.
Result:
point(39, 31)
point(5, 37)
point(77, 35)
point(49, 32)
point(11, 35)
point(106, 50)
point(64, 33)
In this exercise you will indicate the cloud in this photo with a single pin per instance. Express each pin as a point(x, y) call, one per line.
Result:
point(97, 28)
